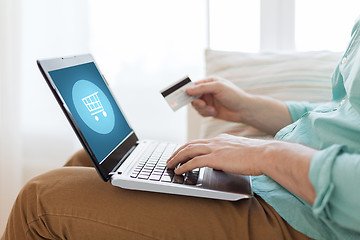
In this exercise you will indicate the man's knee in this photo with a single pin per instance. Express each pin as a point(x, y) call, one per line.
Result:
point(29, 202)
point(80, 159)
point(49, 194)
point(55, 187)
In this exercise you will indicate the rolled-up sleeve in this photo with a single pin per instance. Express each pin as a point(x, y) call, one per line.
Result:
point(335, 176)
point(298, 109)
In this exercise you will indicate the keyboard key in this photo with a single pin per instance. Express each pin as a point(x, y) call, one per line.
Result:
point(144, 177)
point(166, 178)
point(178, 179)
point(191, 180)
point(155, 177)
point(134, 175)
point(148, 168)
point(192, 174)
point(158, 172)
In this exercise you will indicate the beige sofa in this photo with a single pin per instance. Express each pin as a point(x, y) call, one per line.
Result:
point(299, 76)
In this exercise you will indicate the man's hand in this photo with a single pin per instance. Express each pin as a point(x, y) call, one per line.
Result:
point(226, 152)
point(219, 98)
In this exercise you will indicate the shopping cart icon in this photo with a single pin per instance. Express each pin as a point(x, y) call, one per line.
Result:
point(93, 104)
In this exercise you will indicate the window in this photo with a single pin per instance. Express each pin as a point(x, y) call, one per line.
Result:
point(324, 24)
point(234, 25)
point(143, 46)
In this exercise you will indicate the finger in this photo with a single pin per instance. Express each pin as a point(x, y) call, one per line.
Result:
point(209, 99)
point(205, 105)
point(199, 103)
point(197, 141)
point(183, 154)
point(206, 80)
point(196, 162)
point(205, 100)
point(203, 88)
point(187, 153)
point(203, 110)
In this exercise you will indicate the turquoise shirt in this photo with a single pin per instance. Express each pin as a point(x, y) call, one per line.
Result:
point(334, 129)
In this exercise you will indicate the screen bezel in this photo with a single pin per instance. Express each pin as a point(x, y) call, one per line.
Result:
point(112, 160)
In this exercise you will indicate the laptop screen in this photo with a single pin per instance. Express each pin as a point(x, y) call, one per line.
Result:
point(92, 107)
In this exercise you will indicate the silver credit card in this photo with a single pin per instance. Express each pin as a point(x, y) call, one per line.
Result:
point(176, 96)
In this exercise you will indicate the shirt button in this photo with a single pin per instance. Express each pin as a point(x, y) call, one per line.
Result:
point(342, 102)
point(344, 60)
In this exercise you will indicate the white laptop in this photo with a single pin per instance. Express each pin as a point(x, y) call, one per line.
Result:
point(118, 155)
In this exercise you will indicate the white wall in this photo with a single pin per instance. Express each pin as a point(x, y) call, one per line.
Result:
point(10, 146)
point(49, 29)
point(35, 136)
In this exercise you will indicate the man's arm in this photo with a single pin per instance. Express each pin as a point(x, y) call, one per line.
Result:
point(289, 165)
point(328, 179)
point(286, 163)
point(223, 100)
point(266, 114)
point(335, 175)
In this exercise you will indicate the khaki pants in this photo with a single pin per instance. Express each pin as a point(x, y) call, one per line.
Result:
point(74, 203)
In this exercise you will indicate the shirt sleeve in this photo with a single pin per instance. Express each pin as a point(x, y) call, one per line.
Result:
point(298, 109)
point(335, 176)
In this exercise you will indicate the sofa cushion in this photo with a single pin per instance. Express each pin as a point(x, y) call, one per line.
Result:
point(285, 76)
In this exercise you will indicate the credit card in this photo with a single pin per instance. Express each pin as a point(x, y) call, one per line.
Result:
point(176, 96)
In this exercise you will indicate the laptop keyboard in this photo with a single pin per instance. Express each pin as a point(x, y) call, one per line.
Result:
point(152, 166)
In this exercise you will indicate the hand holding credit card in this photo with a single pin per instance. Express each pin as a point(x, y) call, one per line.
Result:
point(176, 96)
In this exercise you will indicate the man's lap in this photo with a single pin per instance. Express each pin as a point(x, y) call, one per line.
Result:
point(74, 203)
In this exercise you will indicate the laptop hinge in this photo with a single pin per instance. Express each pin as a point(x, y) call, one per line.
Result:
point(122, 160)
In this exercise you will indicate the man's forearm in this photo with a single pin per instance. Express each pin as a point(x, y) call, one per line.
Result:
point(267, 114)
point(286, 163)
point(289, 164)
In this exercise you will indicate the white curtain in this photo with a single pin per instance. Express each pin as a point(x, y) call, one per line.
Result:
point(10, 141)
point(49, 29)
point(34, 135)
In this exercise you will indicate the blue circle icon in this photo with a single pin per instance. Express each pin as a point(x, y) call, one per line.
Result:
point(93, 107)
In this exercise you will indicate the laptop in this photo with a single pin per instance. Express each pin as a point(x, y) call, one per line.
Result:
point(118, 155)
